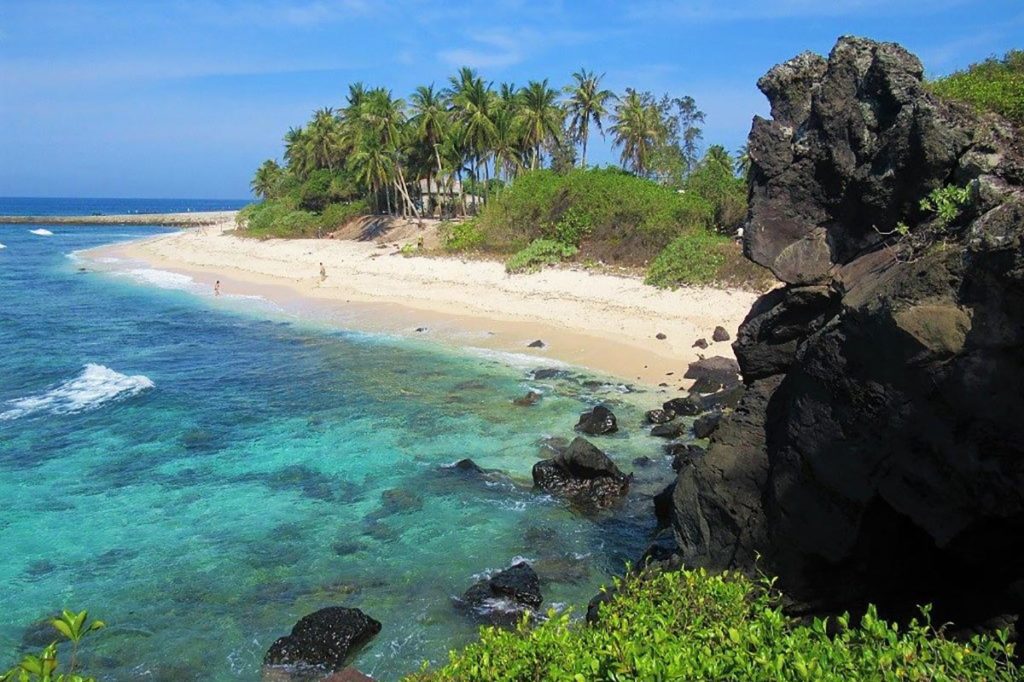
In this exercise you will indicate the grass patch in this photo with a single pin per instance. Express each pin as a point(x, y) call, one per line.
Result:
point(689, 625)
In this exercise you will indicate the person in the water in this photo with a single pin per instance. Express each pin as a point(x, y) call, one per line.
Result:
point(216, 288)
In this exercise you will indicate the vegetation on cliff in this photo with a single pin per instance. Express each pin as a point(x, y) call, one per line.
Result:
point(690, 625)
point(992, 85)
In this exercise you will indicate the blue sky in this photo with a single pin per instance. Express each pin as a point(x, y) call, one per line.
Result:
point(180, 98)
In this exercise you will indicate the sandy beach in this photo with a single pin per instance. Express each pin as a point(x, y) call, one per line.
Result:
point(594, 320)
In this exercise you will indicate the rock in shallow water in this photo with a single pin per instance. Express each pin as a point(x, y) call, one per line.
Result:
point(503, 598)
point(324, 639)
point(582, 474)
point(597, 422)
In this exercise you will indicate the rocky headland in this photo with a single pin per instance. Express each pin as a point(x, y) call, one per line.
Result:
point(876, 453)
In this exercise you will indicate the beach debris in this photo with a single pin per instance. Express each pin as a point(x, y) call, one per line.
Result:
point(700, 343)
point(536, 344)
point(597, 422)
point(324, 639)
point(584, 475)
point(720, 334)
point(503, 598)
point(531, 398)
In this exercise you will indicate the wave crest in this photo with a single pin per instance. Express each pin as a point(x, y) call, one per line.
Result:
point(92, 388)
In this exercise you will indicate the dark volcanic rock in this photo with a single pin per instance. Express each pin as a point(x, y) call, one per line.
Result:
point(536, 344)
point(700, 343)
point(683, 454)
point(583, 474)
point(597, 421)
point(505, 596)
point(713, 374)
point(548, 373)
point(688, 406)
point(706, 424)
point(663, 506)
point(877, 452)
point(660, 336)
point(324, 639)
point(670, 430)
point(720, 334)
point(659, 416)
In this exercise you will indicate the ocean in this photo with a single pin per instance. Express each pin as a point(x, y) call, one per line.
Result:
point(202, 472)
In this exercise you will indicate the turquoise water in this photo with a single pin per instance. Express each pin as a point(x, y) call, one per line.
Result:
point(200, 472)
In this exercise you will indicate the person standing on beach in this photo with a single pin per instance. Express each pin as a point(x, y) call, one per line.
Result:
point(216, 288)
point(323, 272)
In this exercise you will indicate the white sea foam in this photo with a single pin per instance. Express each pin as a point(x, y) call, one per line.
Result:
point(41, 232)
point(2, 246)
point(515, 360)
point(162, 279)
point(93, 387)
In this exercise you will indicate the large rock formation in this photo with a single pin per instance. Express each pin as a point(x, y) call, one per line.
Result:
point(877, 452)
point(325, 639)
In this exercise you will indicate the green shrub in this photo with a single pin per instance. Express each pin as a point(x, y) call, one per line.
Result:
point(692, 258)
point(540, 252)
point(992, 85)
point(609, 214)
point(336, 215)
point(946, 203)
point(572, 227)
point(693, 626)
point(45, 666)
point(461, 236)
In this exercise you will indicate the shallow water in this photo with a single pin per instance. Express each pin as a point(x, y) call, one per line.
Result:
point(200, 472)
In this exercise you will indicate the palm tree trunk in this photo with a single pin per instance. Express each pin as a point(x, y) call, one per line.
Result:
point(583, 131)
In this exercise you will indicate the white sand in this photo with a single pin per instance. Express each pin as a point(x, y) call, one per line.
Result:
point(605, 322)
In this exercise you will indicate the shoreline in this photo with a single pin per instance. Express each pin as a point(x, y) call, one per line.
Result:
point(189, 219)
point(600, 322)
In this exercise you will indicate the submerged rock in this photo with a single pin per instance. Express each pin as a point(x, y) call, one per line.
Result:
point(503, 598)
point(597, 421)
point(531, 398)
point(325, 639)
point(877, 451)
point(582, 474)
point(670, 430)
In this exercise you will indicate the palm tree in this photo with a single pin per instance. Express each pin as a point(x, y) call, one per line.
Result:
point(296, 152)
point(638, 129)
point(430, 121)
point(268, 176)
point(473, 104)
point(540, 117)
point(372, 166)
point(586, 103)
point(323, 137)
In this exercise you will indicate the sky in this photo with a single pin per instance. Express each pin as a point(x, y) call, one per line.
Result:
point(185, 98)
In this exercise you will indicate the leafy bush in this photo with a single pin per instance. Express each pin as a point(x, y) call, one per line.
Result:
point(692, 258)
point(540, 252)
point(461, 236)
point(693, 626)
point(44, 667)
point(992, 85)
point(608, 213)
point(714, 181)
point(946, 203)
point(282, 218)
point(336, 215)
